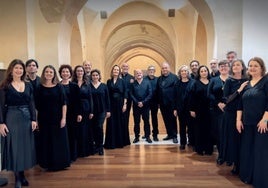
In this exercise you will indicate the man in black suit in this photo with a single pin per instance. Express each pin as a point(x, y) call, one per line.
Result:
point(166, 92)
point(129, 79)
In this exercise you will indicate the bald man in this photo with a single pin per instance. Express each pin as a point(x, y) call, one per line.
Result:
point(87, 66)
point(141, 94)
point(166, 95)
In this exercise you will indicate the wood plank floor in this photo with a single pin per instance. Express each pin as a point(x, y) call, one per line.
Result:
point(138, 166)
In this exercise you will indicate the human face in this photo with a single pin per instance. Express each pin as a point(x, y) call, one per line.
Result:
point(138, 74)
point(79, 72)
point(49, 74)
point(165, 69)
point(87, 67)
point(124, 68)
point(151, 72)
point(31, 68)
point(116, 71)
point(95, 77)
point(203, 72)
point(213, 66)
point(237, 67)
point(194, 67)
point(224, 69)
point(65, 74)
point(254, 69)
point(17, 71)
point(230, 57)
point(184, 72)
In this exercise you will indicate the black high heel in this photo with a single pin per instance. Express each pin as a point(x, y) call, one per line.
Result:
point(23, 180)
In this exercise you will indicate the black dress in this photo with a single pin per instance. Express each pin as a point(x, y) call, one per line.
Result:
point(17, 112)
point(231, 145)
point(85, 137)
point(53, 153)
point(215, 94)
point(254, 150)
point(199, 103)
point(73, 100)
point(116, 135)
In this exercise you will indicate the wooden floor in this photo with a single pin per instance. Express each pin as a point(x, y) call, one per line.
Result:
point(137, 166)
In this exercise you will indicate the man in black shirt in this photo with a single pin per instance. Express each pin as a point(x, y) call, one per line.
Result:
point(166, 91)
point(153, 102)
point(129, 79)
point(141, 93)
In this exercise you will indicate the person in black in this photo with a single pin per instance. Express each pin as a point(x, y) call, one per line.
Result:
point(87, 66)
point(216, 102)
point(84, 128)
point(181, 107)
point(141, 93)
point(17, 122)
point(154, 101)
point(117, 135)
point(214, 68)
point(54, 153)
point(194, 65)
point(252, 118)
point(199, 109)
point(73, 111)
point(129, 79)
point(101, 102)
point(233, 86)
point(31, 70)
point(166, 90)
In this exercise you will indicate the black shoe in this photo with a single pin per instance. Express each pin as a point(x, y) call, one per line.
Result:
point(101, 151)
point(3, 182)
point(200, 153)
point(136, 140)
point(23, 180)
point(155, 139)
point(229, 163)
point(175, 140)
point(220, 161)
point(143, 137)
point(235, 171)
point(148, 140)
point(182, 147)
point(167, 138)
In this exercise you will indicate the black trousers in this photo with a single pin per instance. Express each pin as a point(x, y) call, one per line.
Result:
point(169, 120)
point(137, 114)
point(154, 111)
point(184, 121)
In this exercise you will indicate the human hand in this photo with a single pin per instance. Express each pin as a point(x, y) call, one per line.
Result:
point(3, 130)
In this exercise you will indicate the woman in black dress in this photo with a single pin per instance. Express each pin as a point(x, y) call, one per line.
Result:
point(73, 111)
point(199, 108)
point(53, 153)
point(252, 118)
point(85, 135)
point(101, 101)
point(17, 122)
point(234, 85)
point(215, 93)
point(116, 126)
point(182, 97)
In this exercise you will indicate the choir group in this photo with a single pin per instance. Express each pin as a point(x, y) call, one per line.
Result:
point(51, 122)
